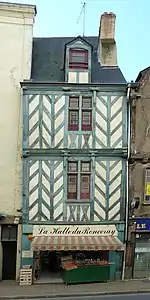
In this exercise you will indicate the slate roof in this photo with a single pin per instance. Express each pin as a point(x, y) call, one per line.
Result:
point(48, 62)
point(141, 74)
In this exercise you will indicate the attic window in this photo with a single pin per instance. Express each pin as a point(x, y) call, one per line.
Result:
point(78, 59)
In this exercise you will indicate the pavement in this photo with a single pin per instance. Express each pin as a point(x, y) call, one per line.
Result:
point(12, 290)
point(116, 297)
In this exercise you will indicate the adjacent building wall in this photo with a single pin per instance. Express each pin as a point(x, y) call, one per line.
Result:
point(16, 31)
point(139, 159)
point(140, 143)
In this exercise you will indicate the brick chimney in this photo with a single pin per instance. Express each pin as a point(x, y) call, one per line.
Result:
point(107, 44)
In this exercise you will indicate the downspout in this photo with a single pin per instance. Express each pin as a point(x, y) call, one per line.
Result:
point(127, 179)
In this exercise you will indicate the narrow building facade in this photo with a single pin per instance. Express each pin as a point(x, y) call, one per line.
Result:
point(138, 258)
point(16, 25)
point(75, 150)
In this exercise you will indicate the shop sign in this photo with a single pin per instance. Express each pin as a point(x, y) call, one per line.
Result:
point(27, 254)
point(74, 230)
point(142, 224)
point(147, 189)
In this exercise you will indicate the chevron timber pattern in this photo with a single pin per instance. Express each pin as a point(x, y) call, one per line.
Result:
point(100, 191)
point(116, 124)
point(108, 184)
point(39, 121)
point(109, 122)
point(39, 190)
point(59, 117)
point(58, 195)
point(101, 122)
point(45, 190)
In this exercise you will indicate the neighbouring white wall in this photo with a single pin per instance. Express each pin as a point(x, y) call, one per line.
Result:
point(16, 33)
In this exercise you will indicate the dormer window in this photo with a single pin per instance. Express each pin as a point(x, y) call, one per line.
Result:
point(78, 59)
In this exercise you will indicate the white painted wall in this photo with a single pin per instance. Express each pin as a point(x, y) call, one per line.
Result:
point(16, 32)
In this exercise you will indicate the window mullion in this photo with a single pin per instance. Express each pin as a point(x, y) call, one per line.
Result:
point(78, 181)
point(80, 113)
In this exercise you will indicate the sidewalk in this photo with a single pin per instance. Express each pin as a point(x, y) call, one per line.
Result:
point(11, 290)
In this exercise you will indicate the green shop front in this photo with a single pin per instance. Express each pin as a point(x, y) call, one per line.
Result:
point(78, 253)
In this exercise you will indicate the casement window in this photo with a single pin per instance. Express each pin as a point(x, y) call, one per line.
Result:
point(72, 180)
point(78, 59)
point(73, 123)
point(75, 107)
point(85, 180)
point(86, 113)
point(147, 186)
point(74, 176)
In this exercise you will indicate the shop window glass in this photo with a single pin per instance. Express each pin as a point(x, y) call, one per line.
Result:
point(147, 186)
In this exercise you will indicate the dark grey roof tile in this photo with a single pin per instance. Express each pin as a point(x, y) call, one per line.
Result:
point(48, 61)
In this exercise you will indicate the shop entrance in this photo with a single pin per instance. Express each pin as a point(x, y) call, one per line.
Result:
point(47, 266)
point(9, 250)
point(9, 260)
point(142, 256)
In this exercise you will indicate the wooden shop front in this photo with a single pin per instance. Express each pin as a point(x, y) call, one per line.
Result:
point(82, 251)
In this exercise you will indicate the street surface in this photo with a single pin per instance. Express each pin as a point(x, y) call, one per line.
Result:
point(113, 297)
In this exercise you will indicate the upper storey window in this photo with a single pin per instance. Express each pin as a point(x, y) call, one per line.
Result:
point(78, 59)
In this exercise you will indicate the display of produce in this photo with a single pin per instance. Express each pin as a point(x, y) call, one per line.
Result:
point(81, 270)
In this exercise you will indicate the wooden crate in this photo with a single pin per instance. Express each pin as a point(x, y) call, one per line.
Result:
point(25, 276)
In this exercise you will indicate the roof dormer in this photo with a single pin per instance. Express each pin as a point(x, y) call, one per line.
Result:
point(78, 61)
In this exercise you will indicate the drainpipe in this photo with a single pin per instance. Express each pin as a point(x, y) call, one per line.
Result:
point(127, 179)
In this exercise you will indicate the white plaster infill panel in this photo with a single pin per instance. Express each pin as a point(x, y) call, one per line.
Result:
point(83, 77)
point(72, 77)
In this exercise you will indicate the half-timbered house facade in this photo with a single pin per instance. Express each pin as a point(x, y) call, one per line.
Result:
point(75, 139)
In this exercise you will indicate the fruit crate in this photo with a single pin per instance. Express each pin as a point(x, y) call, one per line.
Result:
point(25, 276)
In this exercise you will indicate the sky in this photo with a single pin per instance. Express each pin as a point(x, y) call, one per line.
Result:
point(61, 18)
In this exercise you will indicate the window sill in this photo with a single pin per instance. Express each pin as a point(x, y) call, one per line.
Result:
point(146, 203)
point(78, 201)
point(80, 131)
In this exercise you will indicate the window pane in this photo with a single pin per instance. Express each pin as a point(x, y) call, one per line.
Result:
point(72, 167)
point(86, 118)
point(147, 172)
point(78, 53)
point(73, 102)
point(72, 186)
point(86, 102)
point(77, 59)
point(72, 181)
point(85, 186)
point(78, 56)
point(74, 117)
point(147, 198)
point(148, 179)
point(85, 167)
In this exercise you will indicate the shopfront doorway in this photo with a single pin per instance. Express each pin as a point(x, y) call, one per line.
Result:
point(47, 266)
point(142, 256)
point(9, 260)
point(9, 251)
